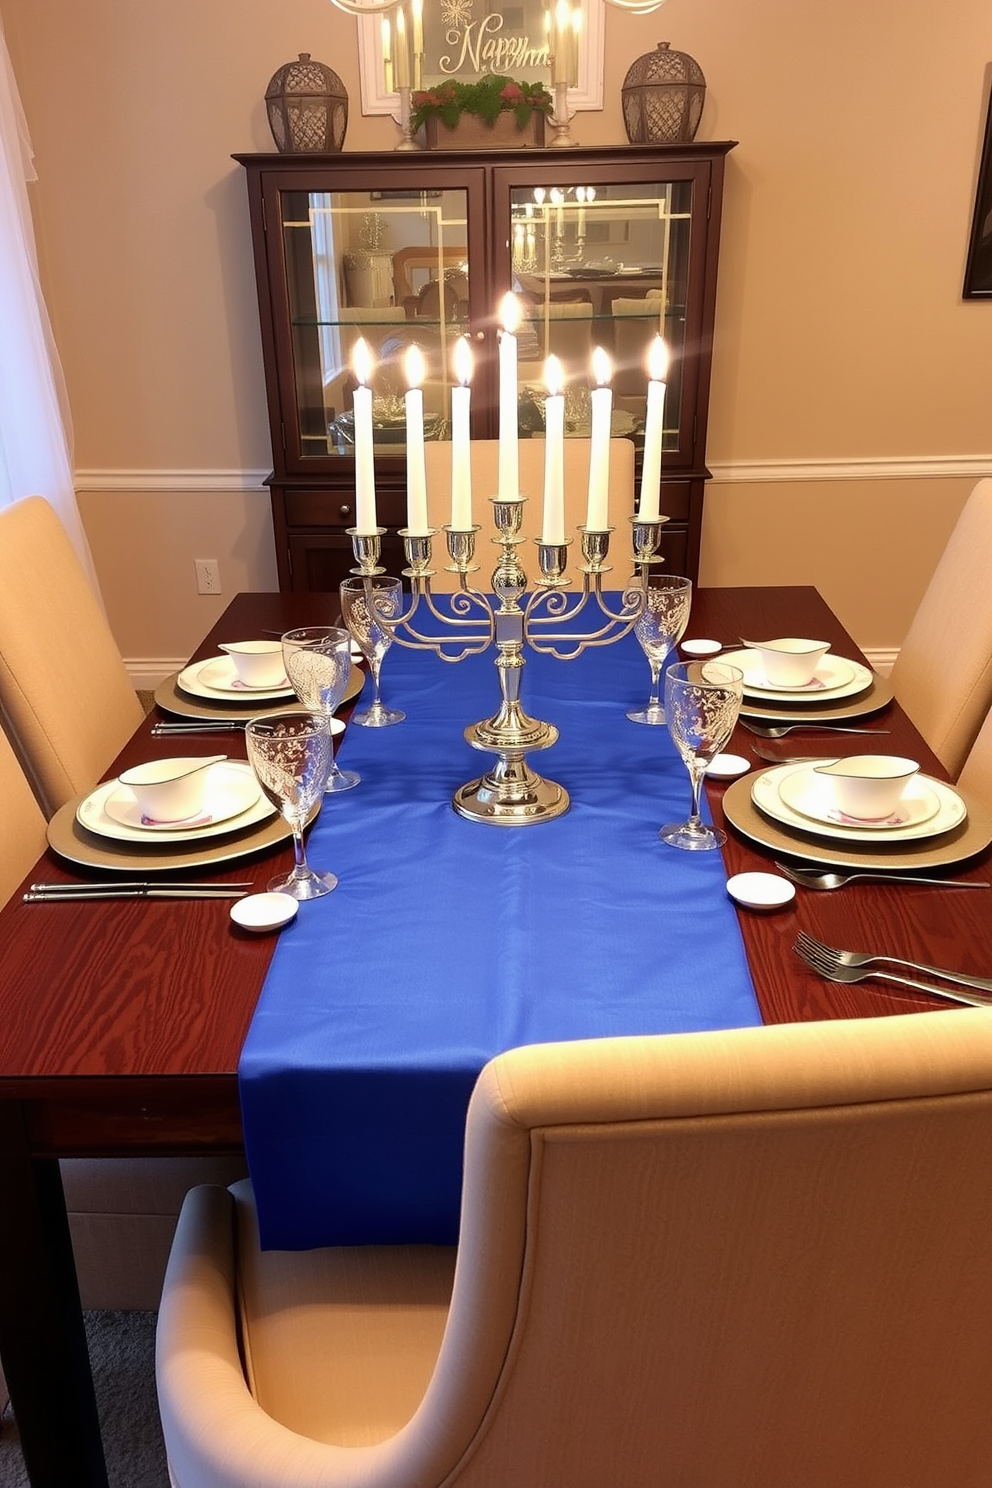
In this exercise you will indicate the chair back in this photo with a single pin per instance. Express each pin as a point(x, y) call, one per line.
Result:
point(976, 773)
point(22, 825)
point(943, 673)
point(64, 690)
point(752, 1257)
point(484, 456)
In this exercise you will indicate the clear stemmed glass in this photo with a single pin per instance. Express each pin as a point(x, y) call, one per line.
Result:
point(291, 755)
point(702, 700)
point(361, 598)
point(318, 664)
point(660, 626)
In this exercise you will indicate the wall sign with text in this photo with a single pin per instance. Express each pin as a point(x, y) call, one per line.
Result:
point(464, 39)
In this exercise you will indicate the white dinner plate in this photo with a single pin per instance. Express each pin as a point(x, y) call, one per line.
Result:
point(217, 677)
point(767, 796)
point(812, 796)
point(92, 814)
point(836, 677)
point(228, 792)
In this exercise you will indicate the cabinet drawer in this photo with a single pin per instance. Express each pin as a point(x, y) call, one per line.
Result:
point(330, 508)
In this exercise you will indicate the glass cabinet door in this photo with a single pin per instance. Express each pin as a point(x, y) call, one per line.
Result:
point(391, 268)
point(604, 263)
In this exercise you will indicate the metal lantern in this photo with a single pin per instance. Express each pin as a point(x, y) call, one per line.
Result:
point(662, 97)
point(308, 107)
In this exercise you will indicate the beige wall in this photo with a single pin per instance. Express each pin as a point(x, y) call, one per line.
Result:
point(850, 413)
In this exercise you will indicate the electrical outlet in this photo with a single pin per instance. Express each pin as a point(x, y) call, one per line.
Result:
point(207, 575)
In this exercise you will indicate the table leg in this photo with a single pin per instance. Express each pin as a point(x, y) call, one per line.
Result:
point(42, 1338)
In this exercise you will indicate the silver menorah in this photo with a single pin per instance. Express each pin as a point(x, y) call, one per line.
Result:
point(510, 793)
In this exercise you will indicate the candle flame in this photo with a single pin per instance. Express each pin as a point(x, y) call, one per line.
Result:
point(602, 367)
point(361, 361)
point(554, 377)
point(509, 313)
point(415, 367)
point(463, 360)
point(658, 360)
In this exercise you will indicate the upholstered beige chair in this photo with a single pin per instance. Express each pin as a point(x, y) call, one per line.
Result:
point(749, 1258)
point(943, 673)
point(64, 691)
point(976, 773)
point(22, 826)
point(484, 456)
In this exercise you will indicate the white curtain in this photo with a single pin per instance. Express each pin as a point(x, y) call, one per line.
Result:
point(35, 431)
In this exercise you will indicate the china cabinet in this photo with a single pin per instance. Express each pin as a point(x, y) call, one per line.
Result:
point(603, 247)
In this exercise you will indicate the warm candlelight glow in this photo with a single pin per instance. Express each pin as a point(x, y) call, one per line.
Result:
point(414, 367)
point(402, 51)
point(510, 314)
point(554, 376)
point(362, 362)
point(463, 360)
point(658, 360)
point(387, 52)
point(602, 367)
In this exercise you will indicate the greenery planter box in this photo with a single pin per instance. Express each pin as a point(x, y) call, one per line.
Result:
point(473, 133)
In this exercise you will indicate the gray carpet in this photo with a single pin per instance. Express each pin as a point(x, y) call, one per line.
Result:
point(122, 1353)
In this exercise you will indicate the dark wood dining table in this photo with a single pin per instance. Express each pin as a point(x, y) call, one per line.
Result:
point(121, 1023)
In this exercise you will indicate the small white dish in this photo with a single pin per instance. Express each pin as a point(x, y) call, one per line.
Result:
point(727, 766)
point(700, 648)
point(169, 790)
point(217, 679)
point(262, 912)
point(760, 890)
point(259, 664)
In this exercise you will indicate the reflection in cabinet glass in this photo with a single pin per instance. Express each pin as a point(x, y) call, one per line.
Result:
point(604, 248)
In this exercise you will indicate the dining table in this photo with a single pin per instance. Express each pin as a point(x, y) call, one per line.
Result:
point(123, 1021)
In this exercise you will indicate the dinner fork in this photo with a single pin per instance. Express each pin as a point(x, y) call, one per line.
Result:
point(823, 878)
point(779, 730)
point(831, 972)
point(862, 958)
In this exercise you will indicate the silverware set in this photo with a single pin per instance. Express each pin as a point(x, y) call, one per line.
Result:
point(779, 730)
point(66, 893)
point(198, 726)
point(855, 966)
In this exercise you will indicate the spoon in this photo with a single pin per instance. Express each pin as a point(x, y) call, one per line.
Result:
point(810, 878)
point(779, 731)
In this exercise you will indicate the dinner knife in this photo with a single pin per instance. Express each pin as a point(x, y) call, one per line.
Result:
point(51, 897)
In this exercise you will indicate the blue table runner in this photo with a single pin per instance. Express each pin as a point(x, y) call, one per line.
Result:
point(448, 941)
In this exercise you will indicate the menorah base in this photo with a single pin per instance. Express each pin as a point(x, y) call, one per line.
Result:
point(511, 794)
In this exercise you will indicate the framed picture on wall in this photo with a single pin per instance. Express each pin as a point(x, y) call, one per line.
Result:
point(463, 39)
point(978, 274)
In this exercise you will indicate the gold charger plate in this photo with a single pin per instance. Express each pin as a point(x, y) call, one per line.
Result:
point(171, 699)
point(73, 842)
point(877, 696)
point(965, 841)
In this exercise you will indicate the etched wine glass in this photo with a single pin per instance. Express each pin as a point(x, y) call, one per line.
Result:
point(702, 700)
point(291, 755)
point(318, 664)
point(363, 599)
point(660, 626)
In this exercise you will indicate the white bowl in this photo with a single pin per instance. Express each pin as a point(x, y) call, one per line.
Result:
point(868, 787)
point(760, 890)
point(791, 661)
point(258, 663)
point(170, 790)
